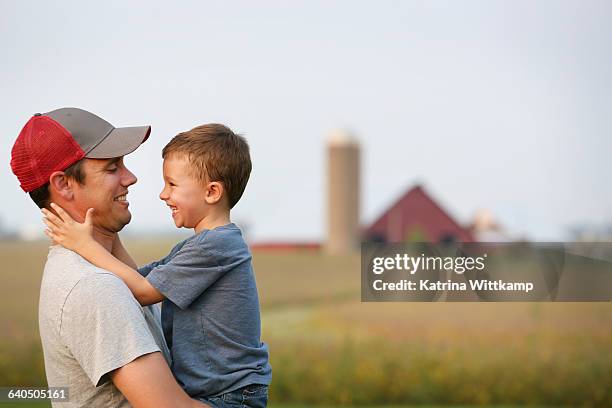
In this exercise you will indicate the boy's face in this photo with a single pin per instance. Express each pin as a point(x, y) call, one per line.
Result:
point(183, 193)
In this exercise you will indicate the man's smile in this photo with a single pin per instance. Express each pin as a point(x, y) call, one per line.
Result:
point(122, 199)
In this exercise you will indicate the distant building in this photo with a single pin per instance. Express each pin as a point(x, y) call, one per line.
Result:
point(343, 175)
point(416, 217)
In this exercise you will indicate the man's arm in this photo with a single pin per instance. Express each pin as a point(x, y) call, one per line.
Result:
point(147, 382)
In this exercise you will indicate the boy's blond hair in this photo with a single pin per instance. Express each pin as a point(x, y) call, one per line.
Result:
point(215, 153)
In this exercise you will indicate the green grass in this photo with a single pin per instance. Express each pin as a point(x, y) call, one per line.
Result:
point(329, 349)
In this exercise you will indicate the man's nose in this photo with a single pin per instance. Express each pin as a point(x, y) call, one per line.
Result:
point(128, 178)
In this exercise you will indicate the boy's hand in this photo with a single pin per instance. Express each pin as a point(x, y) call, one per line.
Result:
point(64, 230)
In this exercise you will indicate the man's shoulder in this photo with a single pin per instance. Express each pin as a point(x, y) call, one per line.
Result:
point(101, 284)
point(68, 275)
point(74, 290)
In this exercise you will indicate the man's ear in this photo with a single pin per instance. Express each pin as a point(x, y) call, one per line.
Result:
point(214, 192)
point(61, 185)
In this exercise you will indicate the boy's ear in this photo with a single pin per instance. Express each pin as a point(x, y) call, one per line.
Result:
point(214, 192)
point(61, 185)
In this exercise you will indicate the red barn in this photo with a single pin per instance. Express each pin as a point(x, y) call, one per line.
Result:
point(417, 217)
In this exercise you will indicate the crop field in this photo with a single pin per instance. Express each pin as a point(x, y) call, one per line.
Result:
point(329, 349)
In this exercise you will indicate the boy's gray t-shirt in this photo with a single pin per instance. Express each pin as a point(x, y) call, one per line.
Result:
point(211, 316)
point(90, 324)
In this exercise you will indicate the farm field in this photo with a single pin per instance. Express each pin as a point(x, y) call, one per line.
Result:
point(329, 349)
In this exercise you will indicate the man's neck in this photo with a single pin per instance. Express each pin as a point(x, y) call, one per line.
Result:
point(104, 238)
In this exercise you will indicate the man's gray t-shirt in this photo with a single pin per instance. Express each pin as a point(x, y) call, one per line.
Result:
point(90, 324)
point(211, 313)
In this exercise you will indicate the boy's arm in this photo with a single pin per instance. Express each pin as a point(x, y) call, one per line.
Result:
point(142, 290)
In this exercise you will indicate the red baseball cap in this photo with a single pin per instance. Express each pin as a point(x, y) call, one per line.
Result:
point(55, 140)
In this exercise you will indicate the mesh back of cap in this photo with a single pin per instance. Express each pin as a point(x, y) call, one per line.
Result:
point(42, 147)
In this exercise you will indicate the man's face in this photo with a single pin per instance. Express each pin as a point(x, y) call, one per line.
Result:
point(105, 188)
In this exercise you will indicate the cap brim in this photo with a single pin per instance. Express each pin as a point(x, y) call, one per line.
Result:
point(119, 142)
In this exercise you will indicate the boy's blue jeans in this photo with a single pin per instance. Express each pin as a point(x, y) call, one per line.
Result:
point(251, 396)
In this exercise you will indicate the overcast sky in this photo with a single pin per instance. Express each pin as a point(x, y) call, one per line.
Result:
point(505, 105)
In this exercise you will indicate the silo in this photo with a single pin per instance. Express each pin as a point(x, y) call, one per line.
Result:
point(342, 193)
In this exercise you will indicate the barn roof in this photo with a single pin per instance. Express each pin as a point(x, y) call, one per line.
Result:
point(417, 217)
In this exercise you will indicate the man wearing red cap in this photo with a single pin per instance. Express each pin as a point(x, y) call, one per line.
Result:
point(97, 340)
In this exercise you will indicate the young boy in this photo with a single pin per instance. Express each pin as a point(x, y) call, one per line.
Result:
point(210, 309)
